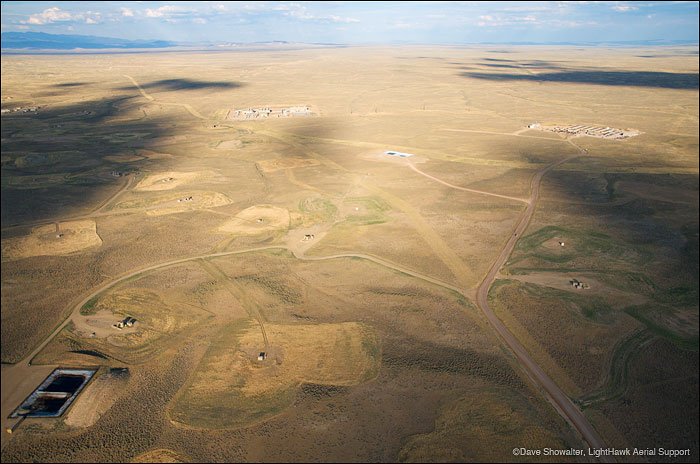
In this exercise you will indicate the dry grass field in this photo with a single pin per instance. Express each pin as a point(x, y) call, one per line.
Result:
point(168, 180)
point(482, 416)
point(257, 219)
point(232, 387)
point(158, 455)
point(354, 271)
point(61, 239)
point(100, 395)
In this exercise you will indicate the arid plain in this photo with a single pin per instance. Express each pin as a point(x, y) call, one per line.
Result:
point(130, 192)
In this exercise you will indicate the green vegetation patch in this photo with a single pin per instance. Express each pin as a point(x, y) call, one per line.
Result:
point(660, 402)
point(576, 244)
point(591, 307)
point(321, 208)
point(65, 158)
point(35, 181)
point(90, 307)
point(677, 325)
point(569, 334)
point(617, 381)
point(366, 211)
point(680, 296)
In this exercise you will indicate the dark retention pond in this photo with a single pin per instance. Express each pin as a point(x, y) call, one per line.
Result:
point(55, 393)
point(49, 404)
point(66, 383)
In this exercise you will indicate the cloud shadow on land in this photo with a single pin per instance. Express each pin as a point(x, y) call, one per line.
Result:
point(666, 80)
point(71, 84)
point(57, 161)
point(495, 65)
point(511, 64)
point(186, 84)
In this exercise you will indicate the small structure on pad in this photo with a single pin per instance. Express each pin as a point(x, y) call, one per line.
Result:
point(128, 322)
point(579, 285)
point(308, 237)
point(398, 153)
point(262, 356)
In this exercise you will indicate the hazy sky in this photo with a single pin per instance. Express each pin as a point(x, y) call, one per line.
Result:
point(361, 22)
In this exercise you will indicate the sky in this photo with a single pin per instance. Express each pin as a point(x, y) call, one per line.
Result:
point(360, 22)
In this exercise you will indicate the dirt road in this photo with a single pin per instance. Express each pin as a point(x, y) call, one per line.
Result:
point(20, 379)
point(482, 192)
point(98, 211)
point(15, 378)
point(553, 393)
point(108, 201)
point(148, 97)
point(514, 134)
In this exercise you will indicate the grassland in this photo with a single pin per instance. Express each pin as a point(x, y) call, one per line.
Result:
point(464, 426)
point(231, 387)
point(68, 237)
point(161, 321)
point(366, 362)
point(626, 215)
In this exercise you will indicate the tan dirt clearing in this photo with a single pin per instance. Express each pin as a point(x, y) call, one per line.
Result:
point(46, 241)
point(229, 145)
point(168, 180)
point(247, 221)
point(199, 200)
point(324, 353)
point(232, 387)
point(100, 324)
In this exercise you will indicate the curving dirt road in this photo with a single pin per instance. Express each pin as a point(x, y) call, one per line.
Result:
point(554, 394)
point(16, 378)
point(559, 399)
point(21, 378)
point(75, 313)
point(98, 211)
point(148, 97)
point(482, 192)
point(108, 201)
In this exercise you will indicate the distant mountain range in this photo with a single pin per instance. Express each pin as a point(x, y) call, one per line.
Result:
point(43, 41)
point(32, 42)
point(631, 43)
